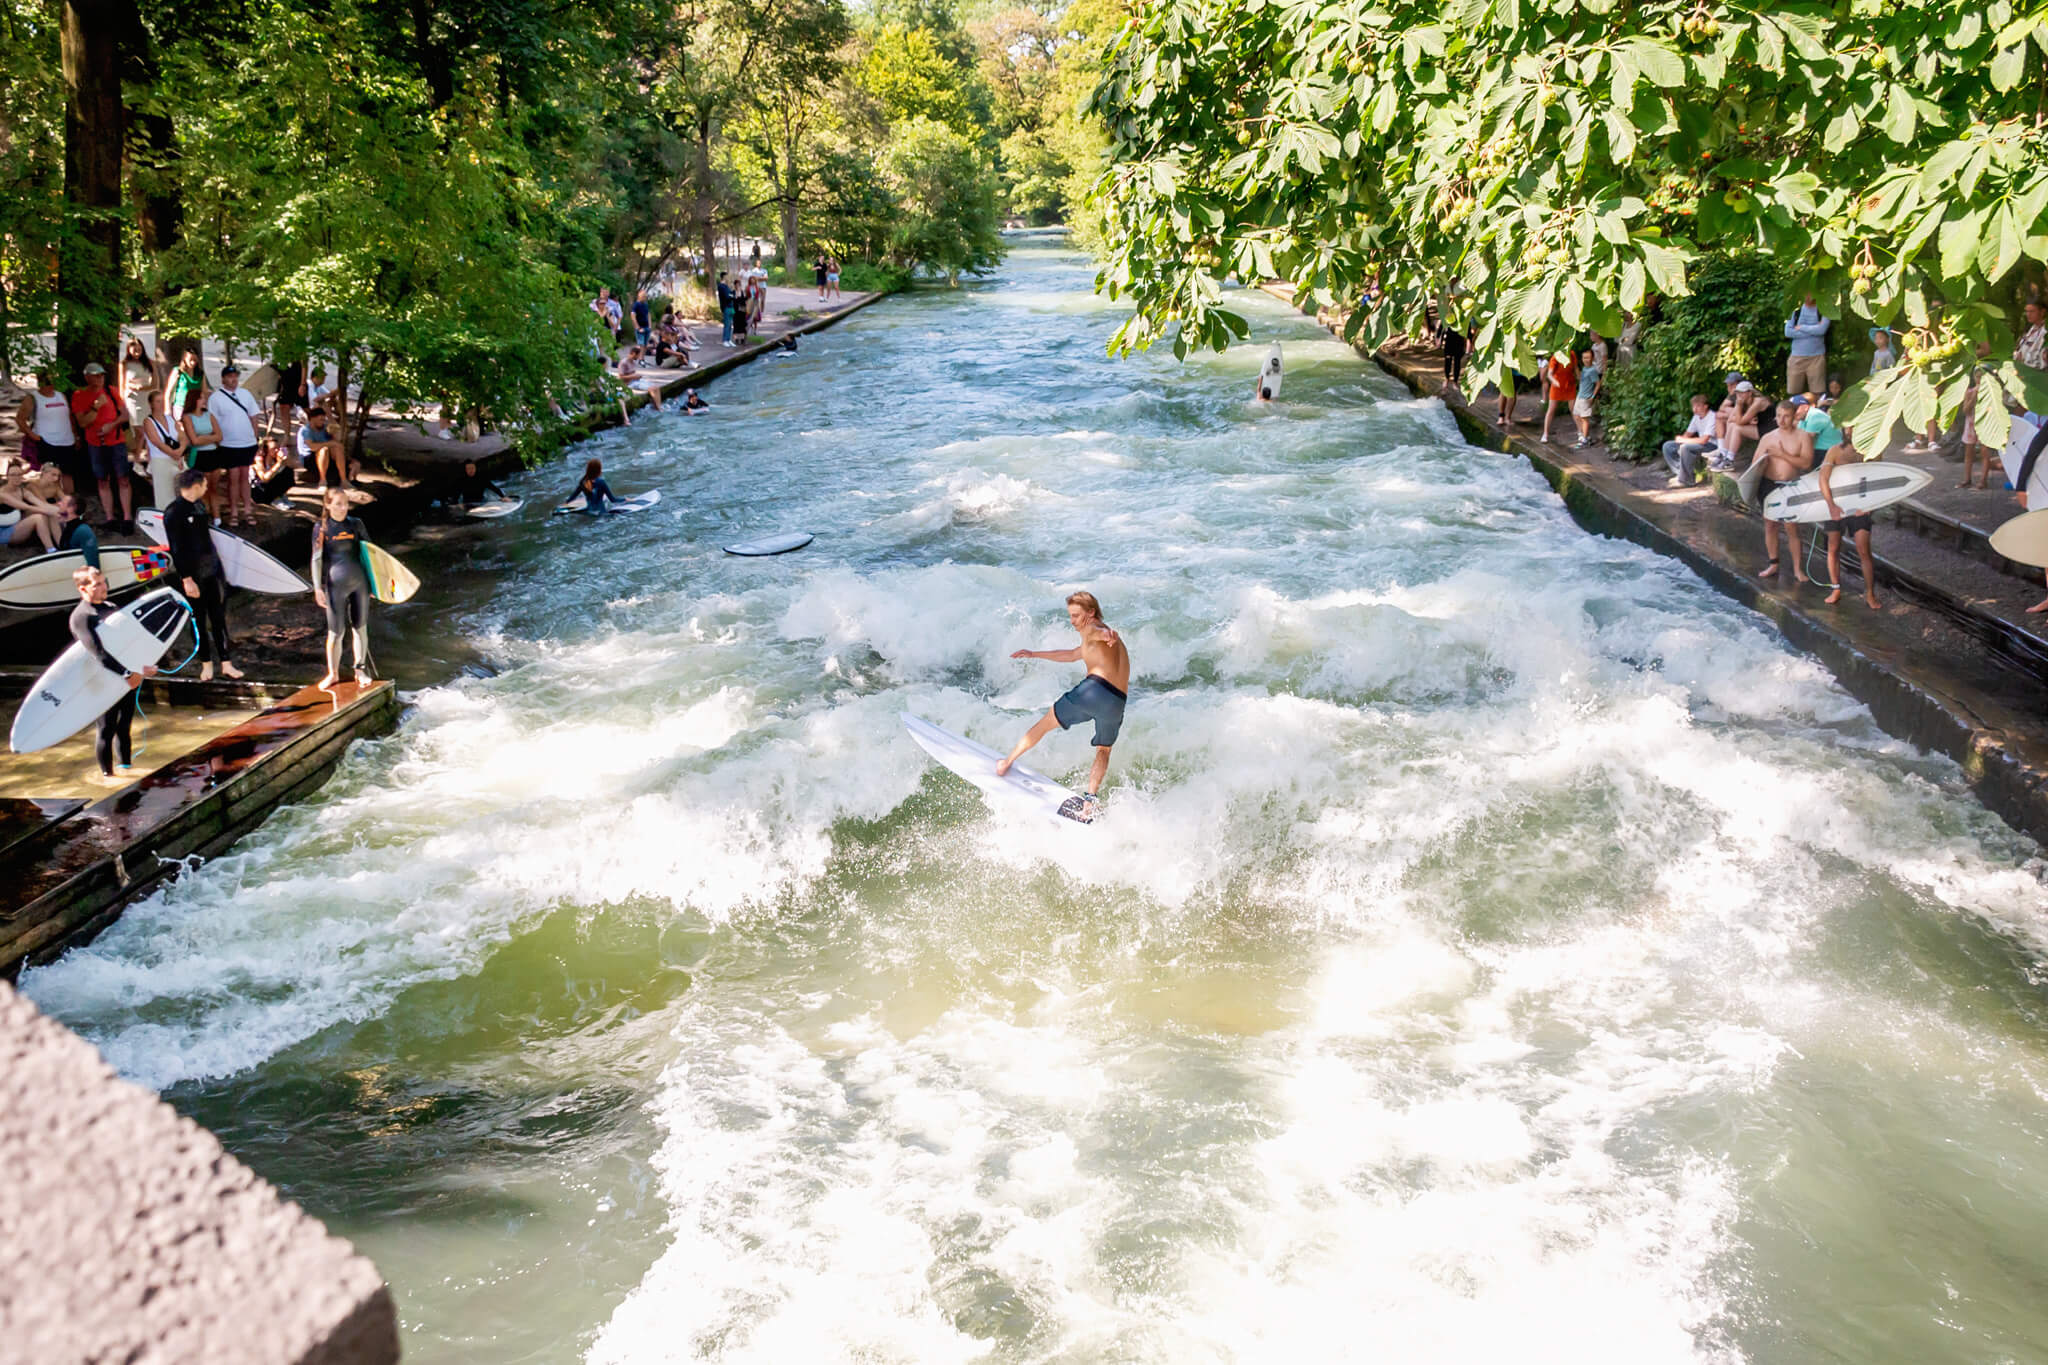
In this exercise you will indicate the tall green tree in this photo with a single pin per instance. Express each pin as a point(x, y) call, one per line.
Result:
point(1558, 160)
point(949, 220)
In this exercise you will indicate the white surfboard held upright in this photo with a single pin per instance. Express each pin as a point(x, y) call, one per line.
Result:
point(246, 565)
point(75, 690)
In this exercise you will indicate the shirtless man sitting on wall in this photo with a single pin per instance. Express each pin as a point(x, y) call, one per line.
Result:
point(1100, 696)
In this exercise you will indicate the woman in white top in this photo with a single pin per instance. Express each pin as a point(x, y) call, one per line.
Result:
point(36, 519)
point(138, 381)
point(166, 444)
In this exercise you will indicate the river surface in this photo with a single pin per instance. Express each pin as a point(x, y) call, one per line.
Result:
point(1500, 947)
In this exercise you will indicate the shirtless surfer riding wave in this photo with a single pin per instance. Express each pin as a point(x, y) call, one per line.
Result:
point(1100, 696)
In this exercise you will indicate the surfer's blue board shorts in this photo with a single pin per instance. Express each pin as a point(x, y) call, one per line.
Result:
point(1092, 699)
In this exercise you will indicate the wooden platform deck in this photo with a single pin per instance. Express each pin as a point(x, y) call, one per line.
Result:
point(70, 876)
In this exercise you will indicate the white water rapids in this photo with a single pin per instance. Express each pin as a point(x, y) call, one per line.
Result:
point(1499, 948)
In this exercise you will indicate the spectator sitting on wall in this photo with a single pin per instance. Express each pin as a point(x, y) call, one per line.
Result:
point(320, 450)
point(1834, 393)
point(631, 375)
point(1560, 379)
point(1744, 421)
point(1806, 369)
point(1687, 452)
point(74, 534)
point(270, 477)
point(1815, 422)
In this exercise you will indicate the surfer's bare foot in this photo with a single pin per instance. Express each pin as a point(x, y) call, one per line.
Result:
point(1871, 598)
point(2041, 605)
point(1769, 570)
point(1834, 597)
point(229, 670)
point(206, 672)
point(330, 680)
point(1003, 765)
point(363, 678)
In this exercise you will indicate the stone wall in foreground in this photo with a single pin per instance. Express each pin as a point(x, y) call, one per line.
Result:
point(128, 1234)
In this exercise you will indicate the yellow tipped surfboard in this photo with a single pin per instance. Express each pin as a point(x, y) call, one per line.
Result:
point(390, 581)
point(2024, 539)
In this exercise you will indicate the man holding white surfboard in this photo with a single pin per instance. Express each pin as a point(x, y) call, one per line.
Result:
point(1100, 696)
point(112, 739)
point(188, 531)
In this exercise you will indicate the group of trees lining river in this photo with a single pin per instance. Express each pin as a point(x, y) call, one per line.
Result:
point(432, 193)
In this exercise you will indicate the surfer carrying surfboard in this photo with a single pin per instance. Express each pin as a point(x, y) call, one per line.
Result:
point(112, 739)
point(1844, 452)
point(1100, 696)
point(1781, 456)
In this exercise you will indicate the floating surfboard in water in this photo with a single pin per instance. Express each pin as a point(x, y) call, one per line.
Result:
point(491, 511)
point(1858, 488)
point(390, 581)
point(1269, 374)
point(77, 689)
point(639, 502)
point(1023, 790)
point(245, 565)
point(44, 581)
point(772, 545)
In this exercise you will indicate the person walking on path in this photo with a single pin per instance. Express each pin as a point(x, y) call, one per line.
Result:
point(1454, 355)
point(1100, 697)
point(48, 435)
point(1560, 386)
point(98, 416)
point(112, 738)
point(165, 445)
point(341, 585)
point(1806, 370)
point(188, 529)
point(725, 306)
point(1591, 372)
point(235, 411)
point(818, 271)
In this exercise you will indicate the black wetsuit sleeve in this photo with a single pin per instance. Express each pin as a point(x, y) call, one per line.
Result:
point(2033, 456)
point(85, 620)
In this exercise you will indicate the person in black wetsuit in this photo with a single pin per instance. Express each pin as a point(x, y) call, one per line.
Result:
point(475, 488)
point(188, 526)
point(341, 585)
point(112, 738)
point(597, 494)
point(693, 402)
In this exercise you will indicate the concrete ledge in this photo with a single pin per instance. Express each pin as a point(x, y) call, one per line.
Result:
point(129, 1234)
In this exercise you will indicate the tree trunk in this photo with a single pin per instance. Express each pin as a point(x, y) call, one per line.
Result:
point(789, 252)
point(707, 229)
point(160, 210)
point(89, 283)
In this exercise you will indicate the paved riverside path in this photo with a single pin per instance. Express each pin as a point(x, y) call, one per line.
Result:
point(1950, 663)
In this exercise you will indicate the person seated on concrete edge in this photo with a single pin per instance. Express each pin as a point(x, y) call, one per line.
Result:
point(270, 478)
point(320, 450)
point(111, 739)
point(1686, 453)
point(35, 519)
point(1844, 452)
point(631, 375)
point(1784, 455)
point(74, 534)
point(188, 531)
point(693, 402)
point(1741, 421)
point(1815, 422)
point(475, 488)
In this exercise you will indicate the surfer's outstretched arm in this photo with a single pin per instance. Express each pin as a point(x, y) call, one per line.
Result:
point(1047, 723)
point(1051, 656)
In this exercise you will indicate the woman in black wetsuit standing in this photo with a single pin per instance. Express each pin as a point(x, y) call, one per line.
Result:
point(342, 585)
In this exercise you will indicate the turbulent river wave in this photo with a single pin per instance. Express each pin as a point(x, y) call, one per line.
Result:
point(1500, 947)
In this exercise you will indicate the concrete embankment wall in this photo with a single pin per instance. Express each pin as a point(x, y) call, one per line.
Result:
point(129, 1234)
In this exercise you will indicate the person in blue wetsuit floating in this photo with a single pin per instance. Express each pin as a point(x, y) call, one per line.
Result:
point(1100, 696)
point(596, 493)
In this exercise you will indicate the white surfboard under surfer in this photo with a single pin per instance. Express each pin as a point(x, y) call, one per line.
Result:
point(1100, 696)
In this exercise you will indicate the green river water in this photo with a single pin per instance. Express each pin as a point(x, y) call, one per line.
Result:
point(1500, 947)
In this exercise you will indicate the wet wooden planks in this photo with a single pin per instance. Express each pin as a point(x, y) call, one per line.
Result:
point(103, 857)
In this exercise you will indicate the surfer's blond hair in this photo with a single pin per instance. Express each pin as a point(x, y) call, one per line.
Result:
point(1085, 600)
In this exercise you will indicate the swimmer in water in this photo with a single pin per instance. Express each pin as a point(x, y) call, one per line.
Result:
point(597, 494)
point(1100, 697)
